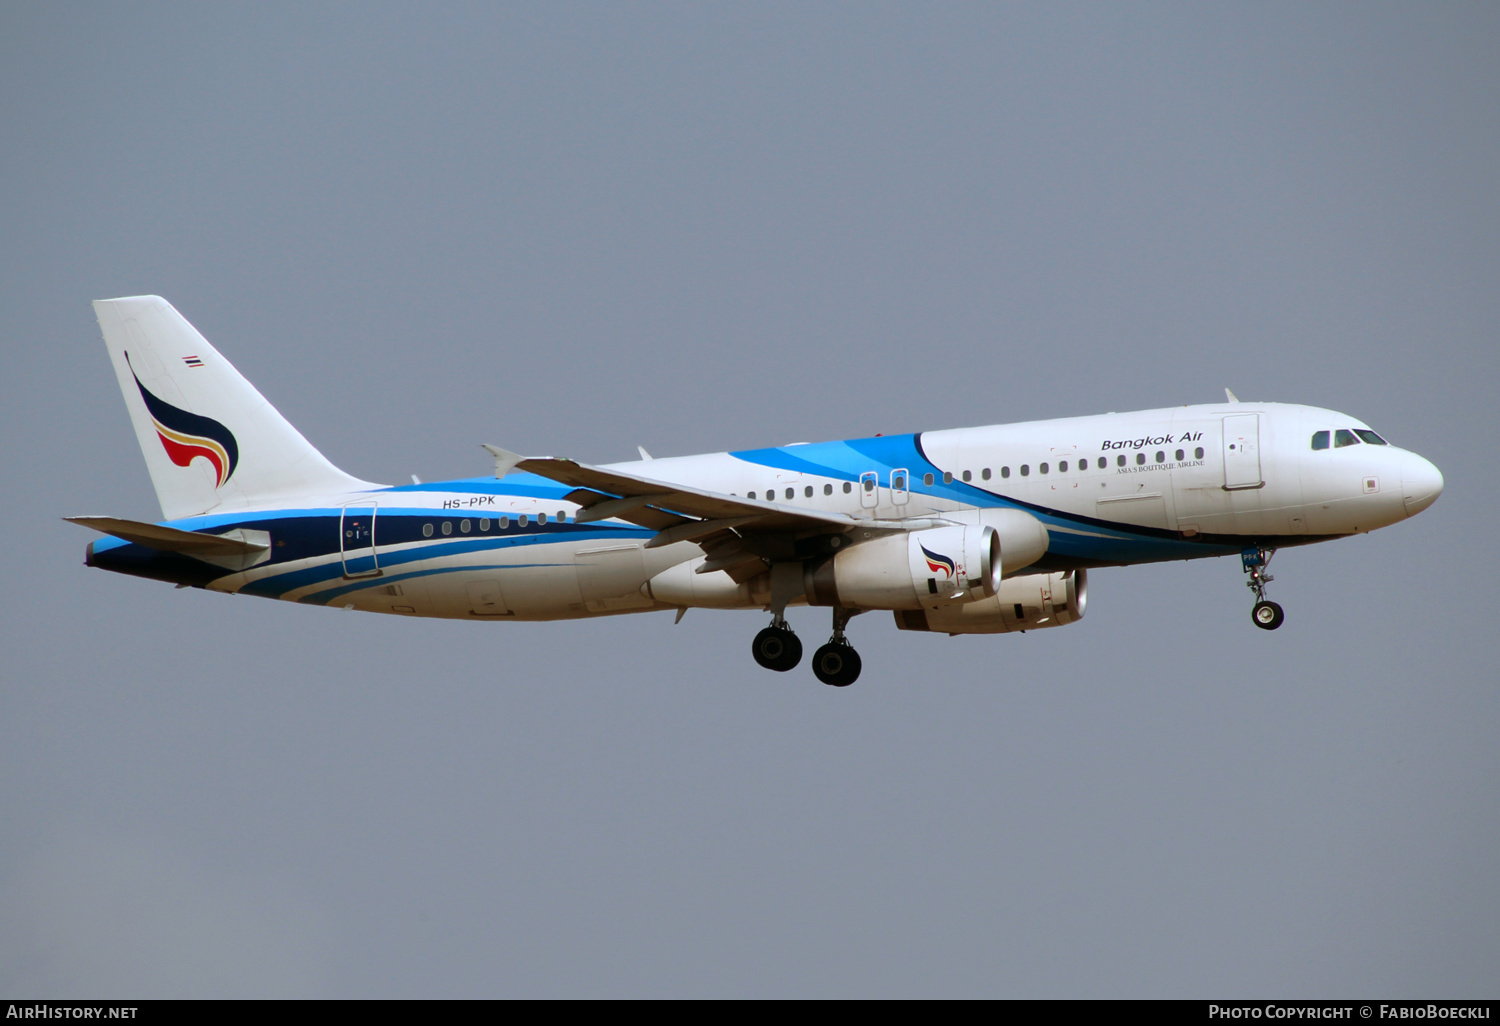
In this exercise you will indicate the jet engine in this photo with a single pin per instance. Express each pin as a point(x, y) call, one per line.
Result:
point(938, 566)
point(1021, 604)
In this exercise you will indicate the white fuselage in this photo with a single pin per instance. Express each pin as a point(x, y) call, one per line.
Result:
point(1113, 489)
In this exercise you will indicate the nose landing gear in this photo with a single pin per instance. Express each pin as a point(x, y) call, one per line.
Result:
point(1266, 615)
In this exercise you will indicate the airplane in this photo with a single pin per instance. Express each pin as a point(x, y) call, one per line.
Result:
point(981, 530)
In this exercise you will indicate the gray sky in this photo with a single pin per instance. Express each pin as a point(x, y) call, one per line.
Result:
point(572, 229)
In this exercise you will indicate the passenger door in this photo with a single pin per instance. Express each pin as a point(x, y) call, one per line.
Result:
point(1242, 451)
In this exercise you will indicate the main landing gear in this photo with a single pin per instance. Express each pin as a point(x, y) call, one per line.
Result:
point(776, 647)
point(1266, 615)
point(835, 664)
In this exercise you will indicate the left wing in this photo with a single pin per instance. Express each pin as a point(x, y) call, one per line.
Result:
point(738, 534)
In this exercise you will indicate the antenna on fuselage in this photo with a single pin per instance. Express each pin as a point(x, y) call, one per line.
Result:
point(1230, 396)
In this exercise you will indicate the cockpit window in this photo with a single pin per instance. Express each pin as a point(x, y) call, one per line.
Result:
point(1320, 440)
point(1343, 437)
point(1369, 436)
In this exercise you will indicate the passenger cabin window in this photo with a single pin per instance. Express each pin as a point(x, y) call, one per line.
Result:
point(790, 492)
point(828, 489)
point(504, 523)
point(848, 487)
point(1062, 468)
point(985, 473)
point(1320, 440)
point(1197, 454)
point(807, 492)
point(1103, 462)
point(1025, 470)
point(1005, 472)
point(1140, 458)
point(927, 480)
point(1179, 455)
point(1343, 437)
point(1161, 457)
point(1042, 468)
point(968, 475)
point(750, 495)
point(1370, 436)
point(1120, 459)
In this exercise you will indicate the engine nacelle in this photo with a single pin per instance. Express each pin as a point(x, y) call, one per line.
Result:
point(1021, 604)
point(1023, 539)
point(915, 570)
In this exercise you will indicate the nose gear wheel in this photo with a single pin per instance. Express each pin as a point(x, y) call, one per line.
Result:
point(1266, 615)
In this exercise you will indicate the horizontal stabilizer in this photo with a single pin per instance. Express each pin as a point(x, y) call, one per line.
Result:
point(236, 550)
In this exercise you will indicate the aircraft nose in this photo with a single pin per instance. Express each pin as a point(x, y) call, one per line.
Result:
point(1421, 484)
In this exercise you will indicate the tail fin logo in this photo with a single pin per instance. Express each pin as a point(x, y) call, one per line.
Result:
point(190, 436)
point(936, 562)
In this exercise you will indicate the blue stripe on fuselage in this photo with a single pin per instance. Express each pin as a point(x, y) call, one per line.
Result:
point(276, 585)
point(845, 461)
point(309, 533)
point(1100, 542)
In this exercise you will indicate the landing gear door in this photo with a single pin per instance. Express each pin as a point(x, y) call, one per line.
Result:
point(357, 541)
point(1242, 451)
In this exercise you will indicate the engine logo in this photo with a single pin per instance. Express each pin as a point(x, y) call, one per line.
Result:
point(937, 562)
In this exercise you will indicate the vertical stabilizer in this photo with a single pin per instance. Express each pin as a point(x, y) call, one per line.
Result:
point(211, 441)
